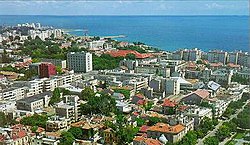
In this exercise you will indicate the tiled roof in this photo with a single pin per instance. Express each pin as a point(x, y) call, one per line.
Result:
point(123, 53)
point(141, 102)
point(168, 103)
point(216, 64)
point(140, 96)
point(182, 108)
point(202, 93)
point(144, 128)
point(233, 65)
point(165, 128)
point(147, 141)
point(150, 141)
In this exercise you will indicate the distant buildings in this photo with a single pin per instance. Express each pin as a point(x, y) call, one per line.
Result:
point(80, 61)
point(217, 56)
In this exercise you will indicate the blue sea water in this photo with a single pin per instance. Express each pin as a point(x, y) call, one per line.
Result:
point(165, 32)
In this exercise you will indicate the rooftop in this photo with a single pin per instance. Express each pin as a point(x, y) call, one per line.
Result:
point(165, 128)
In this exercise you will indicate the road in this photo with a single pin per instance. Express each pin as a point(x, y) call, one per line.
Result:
point(212, 133)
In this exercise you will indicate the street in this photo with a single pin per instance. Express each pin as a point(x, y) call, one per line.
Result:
point(212, 133)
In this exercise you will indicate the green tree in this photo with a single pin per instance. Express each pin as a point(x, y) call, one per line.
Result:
point(130, 56)
point(66, 138)
point(5, 57)
point(34, 129)
point(76, 132)
point(3, 119)
point(223, 132)
point(189, 139)
point(148, 106)
point(59, 69)
point(56, 97)
point(87, 93)
point(140, 121)
point(35, 120)
point(126, 93)
point(212, 140)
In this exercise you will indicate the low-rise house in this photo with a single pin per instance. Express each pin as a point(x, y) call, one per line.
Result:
point(214, 87)
point(196, 97)
point(172, 133)
point(168, 107)
point(109, 136)
point(123, 106)
point(140, 140)
point(15, 135)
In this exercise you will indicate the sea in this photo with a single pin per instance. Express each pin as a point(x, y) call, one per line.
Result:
point(168, 33)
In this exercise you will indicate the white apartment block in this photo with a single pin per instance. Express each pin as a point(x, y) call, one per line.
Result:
point(80, 61)
point(12, 94)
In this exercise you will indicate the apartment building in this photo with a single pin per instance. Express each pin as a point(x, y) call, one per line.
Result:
point(35, 102)
point(217, 56)
point(56, 62)
point(80, 61)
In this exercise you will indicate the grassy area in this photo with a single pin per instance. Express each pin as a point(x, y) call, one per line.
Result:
point(232, 142)
point(239, 135)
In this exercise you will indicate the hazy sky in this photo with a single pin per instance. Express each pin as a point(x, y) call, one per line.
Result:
point(128, 7)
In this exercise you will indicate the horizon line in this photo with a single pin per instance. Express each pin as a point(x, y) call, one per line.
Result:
point(127, 15)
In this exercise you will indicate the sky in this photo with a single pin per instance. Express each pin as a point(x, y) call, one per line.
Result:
point(125, 7)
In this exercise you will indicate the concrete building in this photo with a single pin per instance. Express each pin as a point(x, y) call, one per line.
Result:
point(233, 57)
point(191, 54)
point(198, 113)
point(80, 61)
point(172, 86)
point(34, 103)
point(47, 70)
point(56, 62)
point(69, 109)
point(55, 123)
point(244, 59)
point(12, 93)
point(217, 56)
point(157, 69)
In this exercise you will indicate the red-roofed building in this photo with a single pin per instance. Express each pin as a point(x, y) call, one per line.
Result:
point(137, 98)
point(17, 134)
point(235, 66)
point(216, 65)
point(123, 53)
point(143, 128)
point(140, 140)
point(196, 97)
point(168, 107)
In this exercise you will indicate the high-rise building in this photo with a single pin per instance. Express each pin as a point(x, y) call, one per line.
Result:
point(80, 61)
point(46, 70)
point(233, 57)
point(217, 56)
